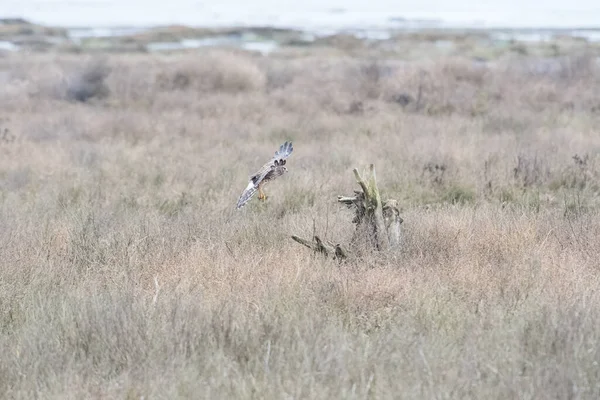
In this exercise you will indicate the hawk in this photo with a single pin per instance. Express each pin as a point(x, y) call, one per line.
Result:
point(272, 169)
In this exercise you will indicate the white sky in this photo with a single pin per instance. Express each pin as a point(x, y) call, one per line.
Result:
point(302, 12)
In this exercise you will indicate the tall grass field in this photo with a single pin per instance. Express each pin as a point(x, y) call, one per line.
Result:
point(127, 273)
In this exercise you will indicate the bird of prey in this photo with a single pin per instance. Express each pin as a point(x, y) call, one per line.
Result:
point(272, 169)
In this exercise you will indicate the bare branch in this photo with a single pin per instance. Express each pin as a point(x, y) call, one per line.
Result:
point(318, 246)
point(347, 200)
point(305, 242)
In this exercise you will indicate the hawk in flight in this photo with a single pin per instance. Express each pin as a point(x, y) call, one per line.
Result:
point(272, 169)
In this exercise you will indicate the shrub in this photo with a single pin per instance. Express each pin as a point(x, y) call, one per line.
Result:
point(216, 71)
point(458, 195)
point(89, 82)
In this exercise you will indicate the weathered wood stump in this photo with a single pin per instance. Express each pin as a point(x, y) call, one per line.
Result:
point(378, 223)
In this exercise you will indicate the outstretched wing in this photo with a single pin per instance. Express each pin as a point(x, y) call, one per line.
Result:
point(255, 180)
point(278, 159)
point(246, 195)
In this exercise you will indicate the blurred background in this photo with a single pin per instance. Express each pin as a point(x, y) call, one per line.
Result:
point(375, 19)
point(329, 14)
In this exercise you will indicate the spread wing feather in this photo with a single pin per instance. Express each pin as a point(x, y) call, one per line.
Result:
point(284, 151)
point(278, 159)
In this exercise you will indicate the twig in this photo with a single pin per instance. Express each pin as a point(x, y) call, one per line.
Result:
point(156, 290)
point(230, 251)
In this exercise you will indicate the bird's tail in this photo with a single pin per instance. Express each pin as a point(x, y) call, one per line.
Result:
point(284, 151)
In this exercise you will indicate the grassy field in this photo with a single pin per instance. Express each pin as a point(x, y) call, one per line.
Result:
point(125, 271)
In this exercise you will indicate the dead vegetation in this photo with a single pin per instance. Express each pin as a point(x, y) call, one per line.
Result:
point(378, 223)
point(89, 82)
point(125, 271)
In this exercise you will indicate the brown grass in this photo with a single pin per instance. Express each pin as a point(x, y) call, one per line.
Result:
point(126, 273)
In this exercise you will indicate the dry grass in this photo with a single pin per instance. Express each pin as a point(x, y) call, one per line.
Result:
point(126, 273)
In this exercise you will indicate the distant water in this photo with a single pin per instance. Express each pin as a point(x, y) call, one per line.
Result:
point(314, 15)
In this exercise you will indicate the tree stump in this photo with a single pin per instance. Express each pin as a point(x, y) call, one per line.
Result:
point(378, 223)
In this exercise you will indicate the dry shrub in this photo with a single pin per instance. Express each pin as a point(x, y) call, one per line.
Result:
point(464, 71)
point(454, 86)
point(280, 74)
point(88, 82)
point(579, 67)
point(564, 83)
point(133, 80)
point(565, 69)
point(216, 71)
point(65, 78)
point(446, 87)
point(318, 89)
point(40, 78)
point(370, 77)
